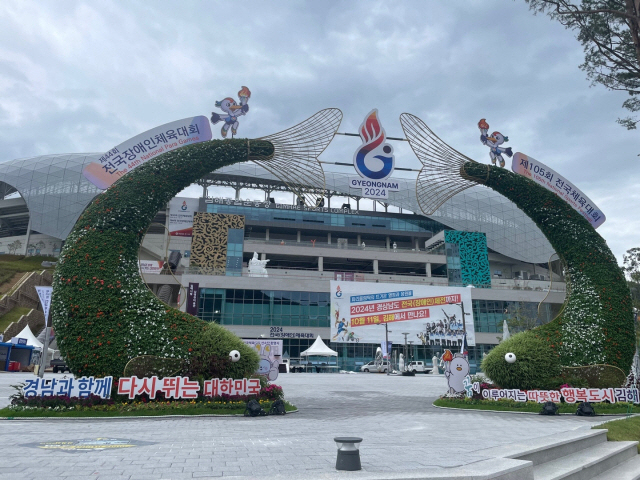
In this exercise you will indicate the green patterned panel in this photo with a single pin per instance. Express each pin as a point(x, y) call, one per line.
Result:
point(474, 259)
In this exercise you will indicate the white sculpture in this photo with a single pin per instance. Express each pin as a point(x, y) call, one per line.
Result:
point(378, 358)
point(401, 363)
point(257, 268)
point(435, 360)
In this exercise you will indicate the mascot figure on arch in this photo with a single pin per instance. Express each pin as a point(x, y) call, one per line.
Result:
point(232, 111)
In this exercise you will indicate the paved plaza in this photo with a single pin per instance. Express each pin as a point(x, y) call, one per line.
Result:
point(401, 431)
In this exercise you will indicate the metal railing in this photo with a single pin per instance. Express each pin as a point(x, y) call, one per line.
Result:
point(334, 245)
point(345, 275)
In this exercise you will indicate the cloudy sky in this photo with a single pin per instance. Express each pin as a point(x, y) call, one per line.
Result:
point(84, 76)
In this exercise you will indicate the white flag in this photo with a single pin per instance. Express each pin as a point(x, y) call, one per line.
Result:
point(45, 300)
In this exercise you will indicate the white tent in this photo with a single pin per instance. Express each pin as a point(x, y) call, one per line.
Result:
point(320, 349)
point(27, 334)
point(32, 340)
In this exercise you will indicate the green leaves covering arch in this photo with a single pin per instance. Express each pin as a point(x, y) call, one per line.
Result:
point(596, 323)
point(102, 312)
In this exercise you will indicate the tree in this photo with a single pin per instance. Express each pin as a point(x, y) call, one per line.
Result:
point(521, 318)
point(631, 267)
point(14, 246)
point(631, 264)
point(609, 31)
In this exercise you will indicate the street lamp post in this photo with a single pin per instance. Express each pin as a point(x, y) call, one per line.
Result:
point(386, 346)
point(404, 366)
point(464, 321)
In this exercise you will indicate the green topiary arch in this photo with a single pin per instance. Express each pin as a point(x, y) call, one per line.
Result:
point(102, 312)
point(596, 324)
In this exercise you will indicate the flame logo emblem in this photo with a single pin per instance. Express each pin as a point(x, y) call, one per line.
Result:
point(374, 159)
point(184, 206)
point(338, 292)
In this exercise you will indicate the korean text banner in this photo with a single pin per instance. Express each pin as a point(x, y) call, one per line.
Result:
point(552, 181)
point(141, 148)
point(431, 315)
point(181, 210)
point(150, 266)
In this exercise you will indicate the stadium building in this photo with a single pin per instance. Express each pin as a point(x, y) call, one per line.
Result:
point(205, 268)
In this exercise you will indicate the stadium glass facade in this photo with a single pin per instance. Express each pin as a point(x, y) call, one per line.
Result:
point(329, 219)
point(276, 308)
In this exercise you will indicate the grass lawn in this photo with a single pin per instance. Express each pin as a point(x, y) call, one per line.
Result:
point(12, 316)
point(627, 429)
point(10, 265)
point(513, 406)
point(8, 413)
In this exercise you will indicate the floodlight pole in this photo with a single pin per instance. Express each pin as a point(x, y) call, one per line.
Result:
point(405, 351)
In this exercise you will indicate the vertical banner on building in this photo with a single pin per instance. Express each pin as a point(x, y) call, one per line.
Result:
point(193, 296)
point(270, 353)
point(181, 210)
point(142, 148)
point(432, 315)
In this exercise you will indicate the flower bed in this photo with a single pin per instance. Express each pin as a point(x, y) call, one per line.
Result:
point(505, 405)
point(93, 405)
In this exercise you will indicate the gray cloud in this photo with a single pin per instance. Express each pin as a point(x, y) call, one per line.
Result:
point(84, 76)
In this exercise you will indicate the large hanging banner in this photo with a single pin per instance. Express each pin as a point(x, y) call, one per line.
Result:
point(431, 314)
point(181, 210)
point(552, 181)
point(142, 148)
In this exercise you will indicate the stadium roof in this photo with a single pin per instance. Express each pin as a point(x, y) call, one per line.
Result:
point(56, 193)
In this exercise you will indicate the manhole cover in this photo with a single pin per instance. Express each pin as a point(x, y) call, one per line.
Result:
point(91, 444)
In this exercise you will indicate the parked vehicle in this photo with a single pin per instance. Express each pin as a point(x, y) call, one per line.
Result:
point(417, 367)
point(373, 368)
point(59, 365)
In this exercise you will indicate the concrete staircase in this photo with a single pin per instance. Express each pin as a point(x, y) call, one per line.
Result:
point(582, 454)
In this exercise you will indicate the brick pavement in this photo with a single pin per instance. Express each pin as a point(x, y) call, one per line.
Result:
point(402, 431)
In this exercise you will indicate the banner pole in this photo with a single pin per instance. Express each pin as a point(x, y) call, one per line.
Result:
point(45, 347)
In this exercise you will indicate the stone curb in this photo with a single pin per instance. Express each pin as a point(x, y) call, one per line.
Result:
point(138, 417)
point(530, 413)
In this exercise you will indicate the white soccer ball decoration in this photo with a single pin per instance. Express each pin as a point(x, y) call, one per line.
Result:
point(234, 355)
point(510, 357)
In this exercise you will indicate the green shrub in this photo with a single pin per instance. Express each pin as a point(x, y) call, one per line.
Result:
point(594, 376)
point(210, 358)
point(536, 363)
